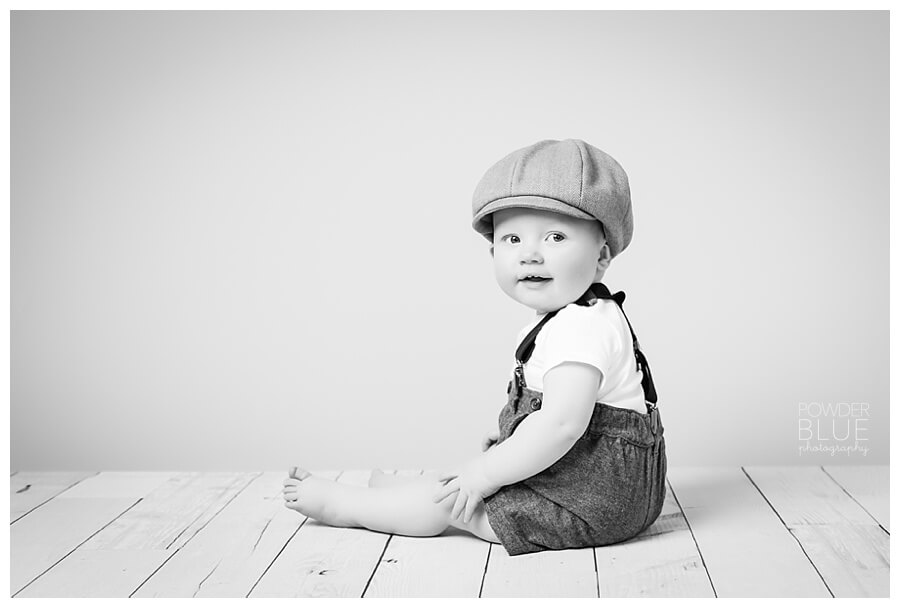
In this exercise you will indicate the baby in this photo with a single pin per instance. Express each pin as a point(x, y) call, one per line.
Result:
point(579, 457)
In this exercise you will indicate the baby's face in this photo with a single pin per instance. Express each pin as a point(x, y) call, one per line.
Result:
point(569, 253)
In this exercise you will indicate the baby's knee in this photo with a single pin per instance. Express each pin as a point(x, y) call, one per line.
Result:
point(413, 508)
point(430, 521)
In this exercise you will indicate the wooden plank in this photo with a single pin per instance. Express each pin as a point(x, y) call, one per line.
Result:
point(97, 573)
point(119, 484)
point(449, 565)
point(746, 549)
point(853, 559)
point(119, 558)
point(846, 544)
point(69, 519)
point(50, 533)
point(228, 556)
point(566, 573)
point(29, 490)
point(662, 561)
point(323, 561)
point(867, 485)
point(174, 512)
point(806, 495)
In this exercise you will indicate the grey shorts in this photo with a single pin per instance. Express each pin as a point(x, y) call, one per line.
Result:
point(607, 488)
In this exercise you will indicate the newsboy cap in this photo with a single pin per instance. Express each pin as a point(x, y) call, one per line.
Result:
point(568, 176)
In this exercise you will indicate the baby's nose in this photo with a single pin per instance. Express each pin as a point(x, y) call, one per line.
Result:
point(531, 256)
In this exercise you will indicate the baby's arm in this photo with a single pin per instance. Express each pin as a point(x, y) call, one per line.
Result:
point(544, 436)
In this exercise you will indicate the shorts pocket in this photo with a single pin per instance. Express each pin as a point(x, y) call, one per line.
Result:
point(636, 439)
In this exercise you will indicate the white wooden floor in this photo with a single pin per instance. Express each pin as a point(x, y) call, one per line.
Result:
point(726, 532)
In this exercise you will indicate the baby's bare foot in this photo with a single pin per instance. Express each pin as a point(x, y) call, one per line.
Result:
point(317, 497)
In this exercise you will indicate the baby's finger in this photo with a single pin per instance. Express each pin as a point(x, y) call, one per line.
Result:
point(445, 475)
point(471, 505)
point(458, 505)
point(292, 482)
point(446, 491)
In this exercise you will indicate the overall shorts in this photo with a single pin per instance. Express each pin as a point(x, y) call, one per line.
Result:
point(607, 488)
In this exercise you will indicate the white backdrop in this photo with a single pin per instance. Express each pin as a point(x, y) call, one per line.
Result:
point(242, 240)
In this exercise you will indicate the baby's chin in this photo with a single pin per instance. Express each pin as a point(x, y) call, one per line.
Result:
point(539, 301)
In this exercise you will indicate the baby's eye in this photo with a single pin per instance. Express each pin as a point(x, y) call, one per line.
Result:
point(511, 238)
point(557, 237)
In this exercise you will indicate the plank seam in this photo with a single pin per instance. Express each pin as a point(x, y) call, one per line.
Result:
point(596, 571)
point(788, 528)
point(75, 548)
point(51, 498)
point(691, 530)
point(854, 500)
point(377, 563)
point(188, 527)
point(486, 564)
point(175, 552)
point(277, 555)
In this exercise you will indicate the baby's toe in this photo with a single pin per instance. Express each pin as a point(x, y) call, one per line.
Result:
point(298, 473)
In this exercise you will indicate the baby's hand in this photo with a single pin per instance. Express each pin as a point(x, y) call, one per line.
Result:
point(471, 486)
point(489, 440)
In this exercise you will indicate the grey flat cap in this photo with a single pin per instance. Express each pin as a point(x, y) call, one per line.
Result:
point(568, 176)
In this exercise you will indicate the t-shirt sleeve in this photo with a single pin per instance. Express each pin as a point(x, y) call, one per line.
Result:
point(579, 333)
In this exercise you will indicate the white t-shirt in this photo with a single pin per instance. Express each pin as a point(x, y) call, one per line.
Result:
point(597, 335)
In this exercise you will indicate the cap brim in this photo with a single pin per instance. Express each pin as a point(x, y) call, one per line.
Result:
point(483, 223)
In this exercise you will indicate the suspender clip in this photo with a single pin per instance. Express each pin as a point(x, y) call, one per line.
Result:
point(520, 374)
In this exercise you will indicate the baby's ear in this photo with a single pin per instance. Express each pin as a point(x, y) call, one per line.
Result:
point(492, 251)
point(605, 256)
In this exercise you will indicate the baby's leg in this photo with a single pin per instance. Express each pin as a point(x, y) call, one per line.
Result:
point(405, 508)
point(478, 523)
point(402, 509)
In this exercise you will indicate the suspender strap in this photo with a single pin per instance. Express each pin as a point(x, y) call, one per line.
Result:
point(594, 292)
point(523, 353)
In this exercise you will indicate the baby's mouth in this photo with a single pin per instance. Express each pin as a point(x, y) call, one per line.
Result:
point(535, 279)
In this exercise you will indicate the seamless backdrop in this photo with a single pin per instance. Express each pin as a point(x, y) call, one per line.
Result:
point(242, 240)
